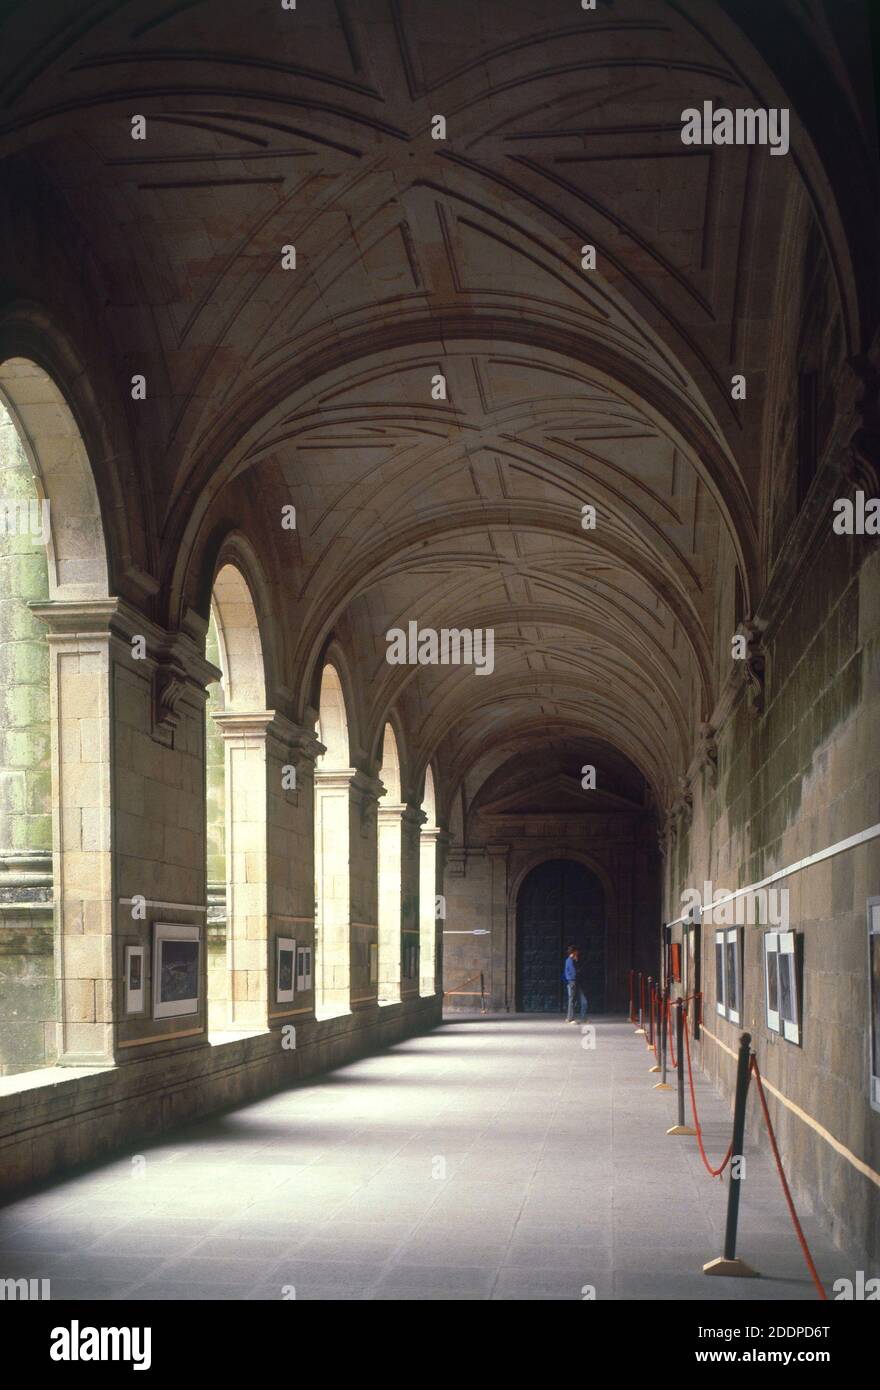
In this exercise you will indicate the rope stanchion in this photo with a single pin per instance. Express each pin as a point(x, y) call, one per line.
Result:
point(663, 1084)
point(641, 1027)
point(632, 1008)
point(672, 1060)
point(794, 1216)
point(649, 1018)
point(715, 1172)
point(655, 1035)
point(728, 1263)
point(681, 1127)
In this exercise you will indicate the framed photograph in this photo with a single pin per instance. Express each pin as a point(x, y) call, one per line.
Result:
point(728, 973)
point(789, 1004)
point(771, 980)
point(720, 1005)
point(135, 957)
point(304, 967)
point(691, 966)
point(285, 961)
point(374, 962)
point(781, 984)
point(675, 962)
point(175, 969)
point(733, 974)
point(874, 1001)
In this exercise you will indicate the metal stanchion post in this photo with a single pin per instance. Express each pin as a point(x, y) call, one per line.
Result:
point(728, 1262)
point(649, 1017)
point(641, 1027)
point(681, 1127)
point(663, 1084)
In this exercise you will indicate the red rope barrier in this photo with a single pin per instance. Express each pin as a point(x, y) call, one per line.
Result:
point(715, 1172)
point(794, 1216)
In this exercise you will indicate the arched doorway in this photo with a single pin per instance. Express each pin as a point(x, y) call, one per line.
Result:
point(560, 904)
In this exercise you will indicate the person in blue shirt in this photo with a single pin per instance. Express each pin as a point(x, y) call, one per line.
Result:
point(576, 996)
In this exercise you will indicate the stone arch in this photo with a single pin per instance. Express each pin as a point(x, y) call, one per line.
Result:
point(76, 549)
point(391, 849)
point(236, 802)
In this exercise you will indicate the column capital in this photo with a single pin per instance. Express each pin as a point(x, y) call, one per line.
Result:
point(174, 662)
point(436, 834)
point(268, 725)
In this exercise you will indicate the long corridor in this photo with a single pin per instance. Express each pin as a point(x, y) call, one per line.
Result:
point(494, 1158)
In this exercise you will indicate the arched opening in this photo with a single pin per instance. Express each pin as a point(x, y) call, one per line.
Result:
point(332, 853)
point(236, 800)
point(58, 973)
point(428, 889)
point(560, 903)
point(390, 849)
point(27, 976)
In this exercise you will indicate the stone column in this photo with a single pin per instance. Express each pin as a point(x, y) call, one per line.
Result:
point(247, 953)
point(430, 923)
point(501, 985)
point(366, 792)
point(290, 855)
point(333, 890)
point(390, 862)
point(411, 821)
point(127, 714)
point(81, 640)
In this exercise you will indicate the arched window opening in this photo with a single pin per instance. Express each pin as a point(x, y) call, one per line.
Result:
point(390, 852)
point(236, 806)
point(27, 973)
point(430, 920)
point(61, 960)
point(332, 853)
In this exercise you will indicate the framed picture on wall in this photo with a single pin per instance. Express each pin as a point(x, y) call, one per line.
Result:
point(690, 967)
point(781, 984)
point(728, 973)
point(733, 974)
point(285, 958)
point(175, 969)
point(135, 987)
point(304, 967)
point(675, 962)
point(771, 980)
point(874, 1001)
point(720, 1005)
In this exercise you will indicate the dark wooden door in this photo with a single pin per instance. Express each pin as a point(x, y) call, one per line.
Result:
point(560, 904)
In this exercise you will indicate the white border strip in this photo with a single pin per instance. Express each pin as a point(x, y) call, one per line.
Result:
point(152, 902)
point(860, 838)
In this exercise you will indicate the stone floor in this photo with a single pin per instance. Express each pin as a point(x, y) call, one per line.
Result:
point(494, 1158)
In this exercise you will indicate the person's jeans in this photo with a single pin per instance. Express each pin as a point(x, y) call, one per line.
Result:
point(576, 997)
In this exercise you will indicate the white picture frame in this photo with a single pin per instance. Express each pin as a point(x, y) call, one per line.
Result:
point(134, 962)
point(788, 988)
point(728, 973)
point(176, 969)
point(285, 969)
point(304, 968)
point(771, 981)
point(720, 993)
point(782, 998)
point(733, 974)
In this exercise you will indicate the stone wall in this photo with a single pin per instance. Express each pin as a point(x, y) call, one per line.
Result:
point(801, 777)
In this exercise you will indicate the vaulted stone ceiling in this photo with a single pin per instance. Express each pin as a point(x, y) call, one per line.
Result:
point(566, 387)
